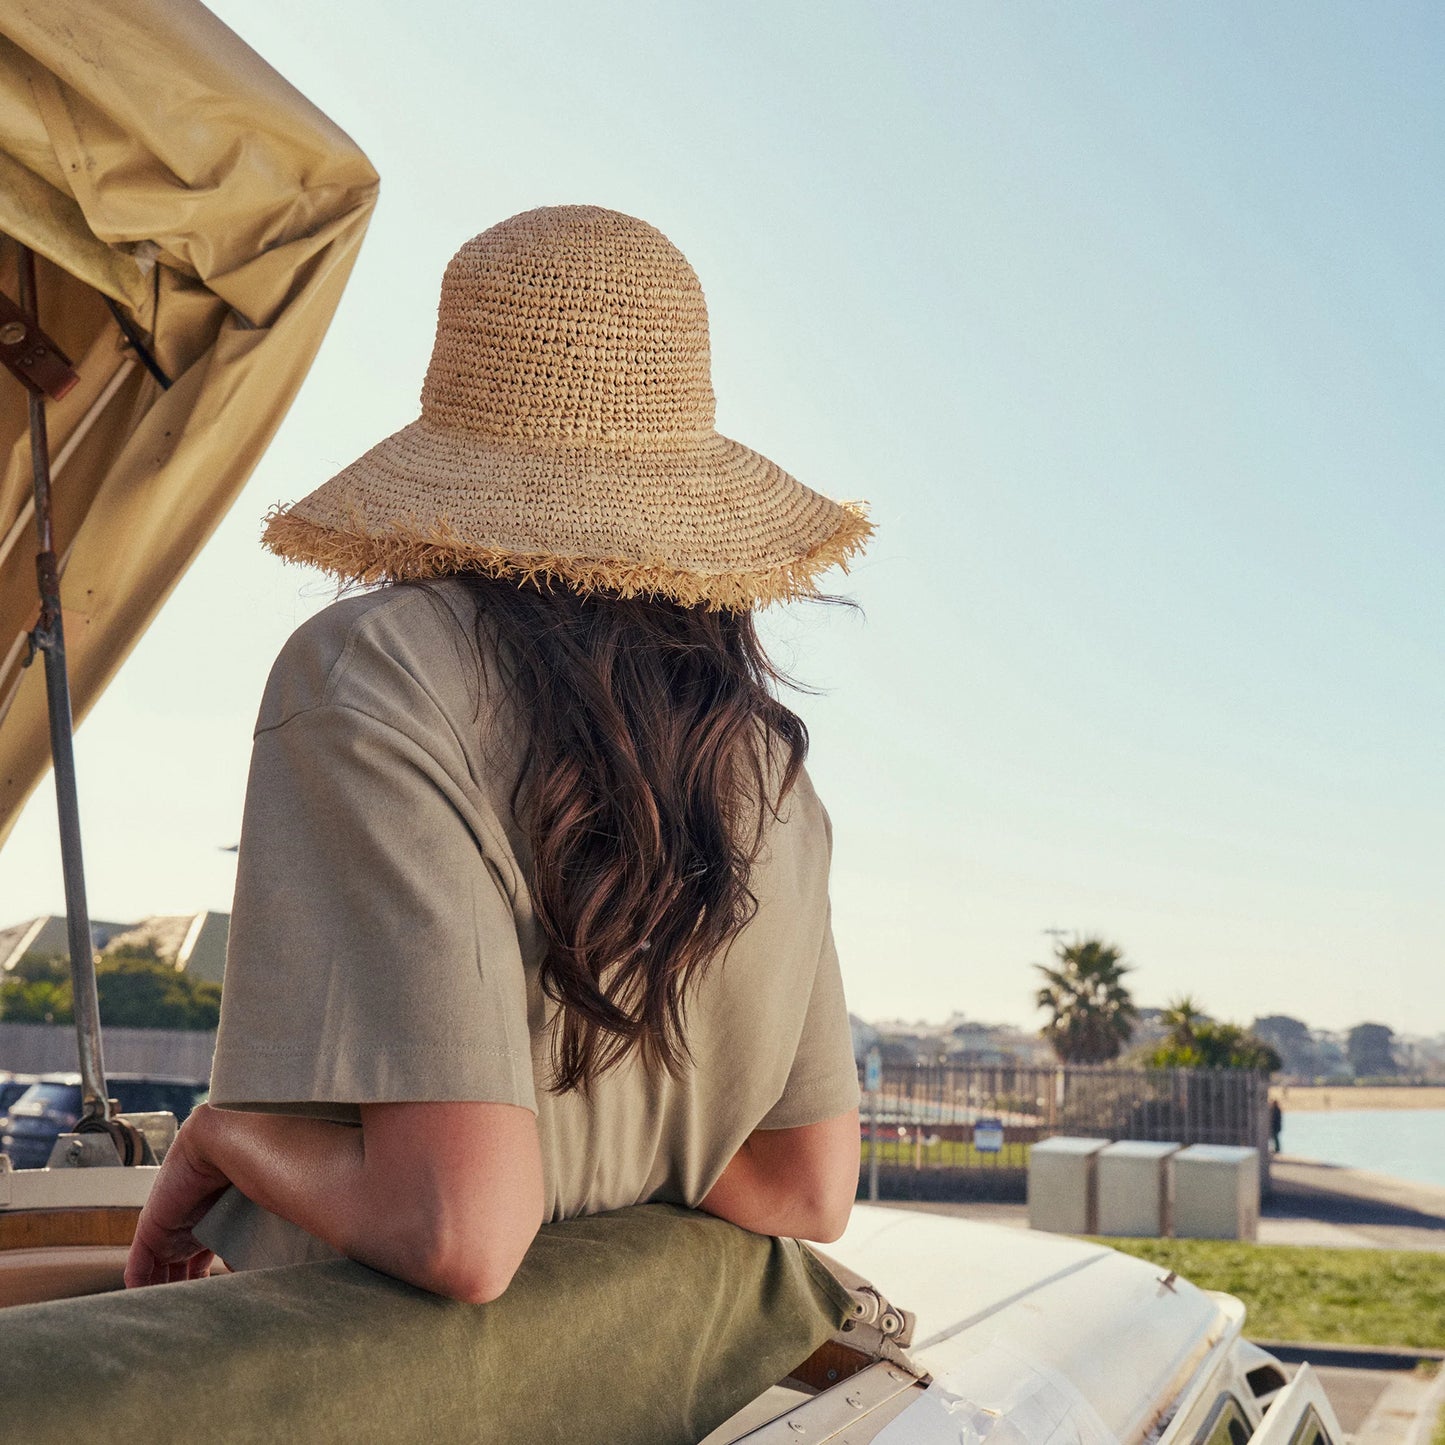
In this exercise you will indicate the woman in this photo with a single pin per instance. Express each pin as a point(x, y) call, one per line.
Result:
point(531, 915)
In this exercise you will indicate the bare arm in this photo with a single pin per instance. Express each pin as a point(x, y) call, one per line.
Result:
point(799, 1182)
point(447, 1196)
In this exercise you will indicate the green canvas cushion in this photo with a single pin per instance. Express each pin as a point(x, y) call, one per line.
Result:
point(648, 1326)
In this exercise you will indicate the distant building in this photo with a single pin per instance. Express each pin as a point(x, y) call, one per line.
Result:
point(1150, 1030)
point(1305, 1054)
point(193, 942)
point(1423, 1057)
point(959, 1040)
point(865, 1037)
point(46, 935)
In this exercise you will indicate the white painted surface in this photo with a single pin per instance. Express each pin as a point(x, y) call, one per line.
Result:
point(1216, 1192)
point(1028, 1327)
point(1133, 1189)
point(1062, 1184)
point(76, 1188)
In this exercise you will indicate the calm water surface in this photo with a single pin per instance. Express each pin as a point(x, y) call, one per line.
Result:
point(1408, 1143)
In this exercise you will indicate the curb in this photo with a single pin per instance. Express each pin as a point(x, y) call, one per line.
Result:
point(1350, 1357)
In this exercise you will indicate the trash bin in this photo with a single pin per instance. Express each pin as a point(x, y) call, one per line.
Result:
point(1216, 1192)
point(1061, 1184)
point(1133, 1189)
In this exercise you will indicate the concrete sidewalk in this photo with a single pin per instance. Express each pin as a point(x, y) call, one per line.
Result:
point(1325, 1204)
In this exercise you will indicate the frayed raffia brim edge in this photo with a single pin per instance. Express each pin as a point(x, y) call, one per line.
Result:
point(412, 553)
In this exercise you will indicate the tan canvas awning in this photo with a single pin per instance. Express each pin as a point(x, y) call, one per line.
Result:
point(150, 160)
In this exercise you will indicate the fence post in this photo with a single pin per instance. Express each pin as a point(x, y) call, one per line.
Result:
point(873, 1080)
point(1260, 1101)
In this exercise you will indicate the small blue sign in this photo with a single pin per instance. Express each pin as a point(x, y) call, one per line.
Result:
point(873, 1072)
point(988, 1135)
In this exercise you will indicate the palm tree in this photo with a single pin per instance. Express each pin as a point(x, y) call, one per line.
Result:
point(1182, 1018)
point(1091, 1011)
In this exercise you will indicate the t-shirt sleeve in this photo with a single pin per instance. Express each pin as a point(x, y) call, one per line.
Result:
point(823, 1080)
point(373, 954)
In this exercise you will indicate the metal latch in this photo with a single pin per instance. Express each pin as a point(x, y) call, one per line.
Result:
point(32, 357)
point(871, 1309)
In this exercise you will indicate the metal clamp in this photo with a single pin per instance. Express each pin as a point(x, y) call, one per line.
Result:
point(34, 360)
point(133, 1139)
point(84, 1151)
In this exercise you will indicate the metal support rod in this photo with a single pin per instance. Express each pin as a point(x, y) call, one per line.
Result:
point(49, 638)
point(137, 345)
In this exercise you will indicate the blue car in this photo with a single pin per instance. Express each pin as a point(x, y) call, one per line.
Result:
point(51, 1107)
point(11, 1088)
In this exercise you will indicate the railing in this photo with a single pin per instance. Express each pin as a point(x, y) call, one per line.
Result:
point(928, 1117)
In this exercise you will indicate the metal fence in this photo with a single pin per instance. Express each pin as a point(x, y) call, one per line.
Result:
point(926, 1120)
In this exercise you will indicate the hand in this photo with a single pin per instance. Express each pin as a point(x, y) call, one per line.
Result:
point(164, 1249)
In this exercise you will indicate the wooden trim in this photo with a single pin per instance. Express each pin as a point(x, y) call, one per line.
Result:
point(44, 1228)
point(830, 1362)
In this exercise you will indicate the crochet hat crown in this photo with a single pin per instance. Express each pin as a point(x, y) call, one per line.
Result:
point(567, 431)
point(570, 324)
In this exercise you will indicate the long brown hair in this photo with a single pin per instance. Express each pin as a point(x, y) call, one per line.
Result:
point(657, 750)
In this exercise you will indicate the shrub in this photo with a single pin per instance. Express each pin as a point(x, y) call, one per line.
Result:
point(137, 990)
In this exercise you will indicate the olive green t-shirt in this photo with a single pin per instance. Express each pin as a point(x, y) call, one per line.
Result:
point(384, 948)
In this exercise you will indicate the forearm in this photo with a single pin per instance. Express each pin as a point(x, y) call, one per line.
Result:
point(797, 1182)
point(748, 1196)
point(447, 1196)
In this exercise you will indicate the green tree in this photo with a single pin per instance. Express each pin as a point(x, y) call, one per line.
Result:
point(37, 991)
point(1292, 1039)
point(1182, 1017)
point(1371, 1050)
point(1216, 1046)
point(41, 968)
point(1091, 1012)
point(40, 1002)
point(138, 993)
point(137, 989)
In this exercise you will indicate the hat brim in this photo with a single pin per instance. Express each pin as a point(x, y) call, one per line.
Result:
point(707, 521)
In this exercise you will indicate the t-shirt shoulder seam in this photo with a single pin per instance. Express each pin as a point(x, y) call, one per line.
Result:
point(336, 674)
point(331, 706)
point(359, 625)
point(310, 635)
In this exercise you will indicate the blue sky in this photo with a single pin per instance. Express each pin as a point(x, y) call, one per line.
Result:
point(1125, 318)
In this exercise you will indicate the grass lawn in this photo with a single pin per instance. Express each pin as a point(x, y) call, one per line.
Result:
point(1328, 1296)
point(948, 1153)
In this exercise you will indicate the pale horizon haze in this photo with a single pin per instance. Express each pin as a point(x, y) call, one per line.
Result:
point(1127, 322)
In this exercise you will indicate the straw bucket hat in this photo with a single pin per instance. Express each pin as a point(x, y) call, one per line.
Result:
point(567, 432)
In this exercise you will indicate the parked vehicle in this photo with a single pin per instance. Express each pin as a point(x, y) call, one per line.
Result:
point(51, 1107)
point(11, 1088)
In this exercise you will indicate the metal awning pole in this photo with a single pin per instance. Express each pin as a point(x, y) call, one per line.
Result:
point(49, 638)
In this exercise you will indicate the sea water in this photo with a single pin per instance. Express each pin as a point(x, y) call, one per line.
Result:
point(1408, 1143)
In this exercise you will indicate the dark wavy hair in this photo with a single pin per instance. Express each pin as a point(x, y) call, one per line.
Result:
point(656, 751)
